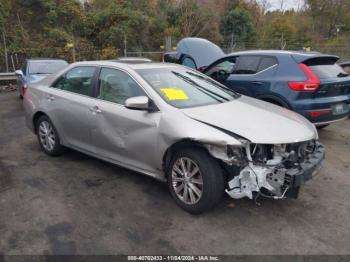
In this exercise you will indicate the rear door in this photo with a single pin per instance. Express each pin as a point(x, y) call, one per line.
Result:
point(252, 74)
point(69, 103)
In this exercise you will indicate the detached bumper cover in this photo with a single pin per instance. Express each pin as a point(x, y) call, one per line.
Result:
point(309, 168)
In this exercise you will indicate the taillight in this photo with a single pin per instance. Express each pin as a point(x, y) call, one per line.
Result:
point(321, 112)
point(310, 84)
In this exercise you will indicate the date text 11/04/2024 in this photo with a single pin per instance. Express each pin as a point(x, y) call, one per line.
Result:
point(173, 258)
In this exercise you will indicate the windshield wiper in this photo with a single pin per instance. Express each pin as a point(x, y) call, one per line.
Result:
point(211, 93)
point(341, 74)
point(210, 81)
point(196, 86)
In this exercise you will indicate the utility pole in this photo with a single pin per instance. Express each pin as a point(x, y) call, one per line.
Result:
point(232, 35)
point(168, 45)
point(125, 51)
point(13, 64)
point(5, 50)
point(283, 42)
point(73, 48)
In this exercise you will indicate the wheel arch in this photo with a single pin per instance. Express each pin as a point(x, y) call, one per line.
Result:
point(181, 144)
point(275, 100)
point(35, 118)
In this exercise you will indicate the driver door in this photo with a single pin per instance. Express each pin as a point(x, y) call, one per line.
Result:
point(120, 134)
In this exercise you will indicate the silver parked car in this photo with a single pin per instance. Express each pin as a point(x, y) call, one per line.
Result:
point(177, 125)
point(35, 69)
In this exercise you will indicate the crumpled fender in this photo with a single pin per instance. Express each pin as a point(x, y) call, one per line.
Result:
point(189, 129)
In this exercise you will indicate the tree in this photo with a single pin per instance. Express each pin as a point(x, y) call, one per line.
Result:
point(238, 24)
point(194, 20)
point(328, 16)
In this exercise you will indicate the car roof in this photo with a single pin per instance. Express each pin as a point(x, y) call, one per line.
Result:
point(299, 56)
point(275, 52)
point(45, 59)
point(134, 66)
point(129, 59)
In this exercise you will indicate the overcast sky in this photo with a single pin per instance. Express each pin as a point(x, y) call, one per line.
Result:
point(287, 4)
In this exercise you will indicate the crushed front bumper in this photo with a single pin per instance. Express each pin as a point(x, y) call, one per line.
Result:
point(308, 169)
point(275, 181)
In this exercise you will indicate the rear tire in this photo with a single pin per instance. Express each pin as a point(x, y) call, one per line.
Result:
point(195, 180)
point(48, 137)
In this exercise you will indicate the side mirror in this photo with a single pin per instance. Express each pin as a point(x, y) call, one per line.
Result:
point(138, 103)
point(19, 72)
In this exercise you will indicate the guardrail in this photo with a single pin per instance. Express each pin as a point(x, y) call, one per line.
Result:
point(7, 76)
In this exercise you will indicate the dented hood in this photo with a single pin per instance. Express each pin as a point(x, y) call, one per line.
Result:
point(255, 120)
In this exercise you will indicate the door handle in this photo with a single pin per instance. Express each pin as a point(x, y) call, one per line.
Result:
point(258, 83)
point(95, 109)
point(50, 97)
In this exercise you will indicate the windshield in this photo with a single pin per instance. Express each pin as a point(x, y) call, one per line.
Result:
point(46, 67)
point(183, 87)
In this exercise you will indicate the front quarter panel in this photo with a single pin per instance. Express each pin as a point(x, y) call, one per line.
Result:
point(175, 126)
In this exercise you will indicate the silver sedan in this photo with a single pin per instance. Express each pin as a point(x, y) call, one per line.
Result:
point(177, 125)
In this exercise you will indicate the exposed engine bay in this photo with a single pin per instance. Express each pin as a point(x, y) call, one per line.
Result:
point(272, 171)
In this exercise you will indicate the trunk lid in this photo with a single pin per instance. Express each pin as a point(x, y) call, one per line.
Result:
point(333, 87)
point(334, 81)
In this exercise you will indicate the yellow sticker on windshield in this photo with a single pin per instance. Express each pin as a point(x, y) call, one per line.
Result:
point(174, 94)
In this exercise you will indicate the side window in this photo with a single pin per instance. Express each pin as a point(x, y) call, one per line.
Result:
point(78, 80)
point(267, 62)
point(187, 61)
point(227, 65)
point(247, 65)
point(117, 86)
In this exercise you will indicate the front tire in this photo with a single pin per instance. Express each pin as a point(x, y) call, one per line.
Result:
point(48, 137)
point(195, 180)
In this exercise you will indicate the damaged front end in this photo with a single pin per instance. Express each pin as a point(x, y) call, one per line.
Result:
point(273, 171)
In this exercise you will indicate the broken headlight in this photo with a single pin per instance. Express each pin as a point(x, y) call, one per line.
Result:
point(232, 155)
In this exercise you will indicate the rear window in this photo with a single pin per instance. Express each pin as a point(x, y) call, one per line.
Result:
point(46, 67)
point(328, 71)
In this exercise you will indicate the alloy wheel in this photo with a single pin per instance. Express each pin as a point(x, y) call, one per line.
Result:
point(187, 180)
point(47, 135)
